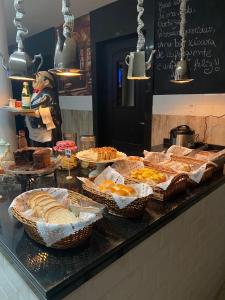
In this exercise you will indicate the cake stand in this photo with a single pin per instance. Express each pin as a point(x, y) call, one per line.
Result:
point(27, 177)
point(100, 165)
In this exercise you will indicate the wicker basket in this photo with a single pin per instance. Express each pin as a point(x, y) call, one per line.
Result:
point(210, 169)
point(71, 241)
point(207, 176)
point(178, 184)
point(133, 210)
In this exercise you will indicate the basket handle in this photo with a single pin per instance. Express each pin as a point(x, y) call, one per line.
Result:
point(178, 178)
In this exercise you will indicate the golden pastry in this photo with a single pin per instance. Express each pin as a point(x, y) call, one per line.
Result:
point(148, 174)
point(110, 187)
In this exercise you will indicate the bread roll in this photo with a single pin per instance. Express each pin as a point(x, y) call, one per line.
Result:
point(121, 193)
point(118, 189)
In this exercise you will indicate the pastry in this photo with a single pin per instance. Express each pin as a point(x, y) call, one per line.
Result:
point(108, 186)
point(135, 158)
point(148, 175)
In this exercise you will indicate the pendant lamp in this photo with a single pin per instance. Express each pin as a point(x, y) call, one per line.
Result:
point(182, 72)
point(137, 65)
point(65, 62)
point(20, 66)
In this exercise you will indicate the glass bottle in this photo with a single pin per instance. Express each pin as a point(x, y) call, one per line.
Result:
point(26, 96)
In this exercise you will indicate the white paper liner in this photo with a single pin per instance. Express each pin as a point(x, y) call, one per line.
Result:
point(53, 233)
point(143, 190)
point(197, 175)
point(164, 185)
point(178, 151)
point(212, 157)
point(125, 167)
point(109, 174)
point(156, 157)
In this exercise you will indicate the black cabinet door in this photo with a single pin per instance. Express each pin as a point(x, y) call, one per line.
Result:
point(126, 104)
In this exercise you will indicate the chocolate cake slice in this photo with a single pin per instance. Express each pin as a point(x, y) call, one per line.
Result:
point(38, 158)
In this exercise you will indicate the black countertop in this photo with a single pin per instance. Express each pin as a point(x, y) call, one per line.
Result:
point(52, 274)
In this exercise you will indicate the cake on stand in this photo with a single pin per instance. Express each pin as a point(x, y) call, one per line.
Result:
point(101, 164)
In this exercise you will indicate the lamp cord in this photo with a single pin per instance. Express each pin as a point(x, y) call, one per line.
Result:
point(206, 125)
point(21, 29)
point(141, 37)
point(68, 26)
point(183, 7)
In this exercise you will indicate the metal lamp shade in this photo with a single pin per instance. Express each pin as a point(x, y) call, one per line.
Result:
point(182, 73)
point(65, 63)
point(20, 66)
point(136, 66)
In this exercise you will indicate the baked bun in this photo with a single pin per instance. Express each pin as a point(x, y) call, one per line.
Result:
point(108, 183)
point(123, 193)
point(109, 186)
point(131, 191)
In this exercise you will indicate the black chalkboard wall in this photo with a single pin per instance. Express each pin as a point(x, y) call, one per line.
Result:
point(205, 47)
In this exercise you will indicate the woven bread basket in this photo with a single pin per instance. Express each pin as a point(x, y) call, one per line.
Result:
point(71, 241)
point(178, 184)
point(133, 210)
point(207, 176)
point(209, 171)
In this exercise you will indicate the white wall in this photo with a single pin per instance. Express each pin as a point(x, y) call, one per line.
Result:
point(189, 105)
point(76, 103)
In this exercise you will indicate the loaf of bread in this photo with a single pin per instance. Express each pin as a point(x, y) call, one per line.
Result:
point(99, 154)
point(49, 209)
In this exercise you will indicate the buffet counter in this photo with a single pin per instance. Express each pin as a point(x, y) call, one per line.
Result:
point(179, 240)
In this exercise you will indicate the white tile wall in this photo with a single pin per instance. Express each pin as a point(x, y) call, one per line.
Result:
point(185, 260)
point(189, 105)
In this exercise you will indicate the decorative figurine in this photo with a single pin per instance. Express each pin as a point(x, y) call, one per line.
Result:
point(45, 124)
point(22, 141)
